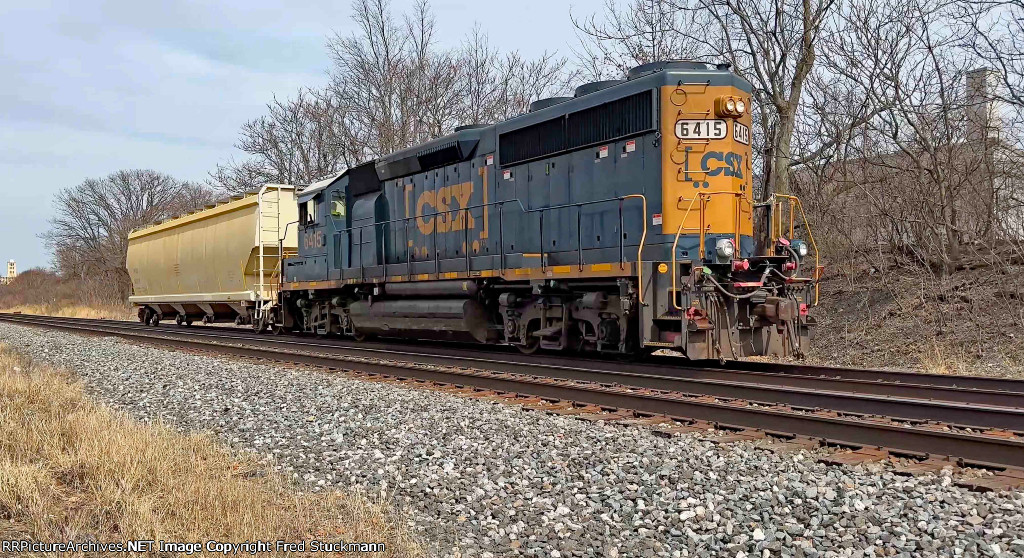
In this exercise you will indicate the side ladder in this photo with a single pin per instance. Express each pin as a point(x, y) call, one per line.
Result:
point(267, 262)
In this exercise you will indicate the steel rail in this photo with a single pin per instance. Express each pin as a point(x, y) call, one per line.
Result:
point(729, 383)
point(877, 375)
point(968, 414)
point(856, 429)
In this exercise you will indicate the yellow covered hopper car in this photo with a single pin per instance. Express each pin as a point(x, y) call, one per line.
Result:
point(219, 264)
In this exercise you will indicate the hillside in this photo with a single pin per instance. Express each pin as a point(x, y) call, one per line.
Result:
point(968, 323)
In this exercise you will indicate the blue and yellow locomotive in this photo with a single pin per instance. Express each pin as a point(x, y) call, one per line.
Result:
point(618, 220)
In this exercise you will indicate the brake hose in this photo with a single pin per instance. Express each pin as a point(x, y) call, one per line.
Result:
point(736, 296)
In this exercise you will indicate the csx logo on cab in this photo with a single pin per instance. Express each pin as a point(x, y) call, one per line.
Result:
point(712, 164)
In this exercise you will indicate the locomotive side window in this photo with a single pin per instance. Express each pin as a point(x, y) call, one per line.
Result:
point(308, 212)
point(338, 204)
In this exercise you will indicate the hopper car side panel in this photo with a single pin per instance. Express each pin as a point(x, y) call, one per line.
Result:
point(207, 265)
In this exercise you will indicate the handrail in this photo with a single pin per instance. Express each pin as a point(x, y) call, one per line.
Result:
point(281, 252)
point(675, 243)
point(810, 235)
point(704, 198)
point(500, 205)
point(639, 251)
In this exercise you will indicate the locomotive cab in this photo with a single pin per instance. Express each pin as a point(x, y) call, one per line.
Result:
point(712, 294)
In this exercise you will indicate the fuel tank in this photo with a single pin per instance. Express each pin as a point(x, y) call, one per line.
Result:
point(461, 289)
point(448, 319)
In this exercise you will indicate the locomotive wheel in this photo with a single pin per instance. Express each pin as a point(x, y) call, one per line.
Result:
point(530, 347)
point(532, 341)
point(359, 336)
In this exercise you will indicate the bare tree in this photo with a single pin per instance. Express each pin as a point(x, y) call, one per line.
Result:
point(773, 44)
point(640, 32)
point(391, 87)
point(496, 87)
point(399, 89)
point(296, 142)
point(88, 233)
point(998, 39)
point(929, 177)
point(386, 75)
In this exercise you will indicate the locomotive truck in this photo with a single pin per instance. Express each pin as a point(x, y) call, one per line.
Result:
point(618, 220)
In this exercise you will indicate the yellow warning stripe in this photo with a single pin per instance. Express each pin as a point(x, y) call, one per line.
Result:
point(565, 271)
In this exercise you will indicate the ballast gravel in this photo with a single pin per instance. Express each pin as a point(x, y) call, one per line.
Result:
point(485, 479)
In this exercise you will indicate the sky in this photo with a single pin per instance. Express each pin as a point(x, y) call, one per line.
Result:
point(87, 88)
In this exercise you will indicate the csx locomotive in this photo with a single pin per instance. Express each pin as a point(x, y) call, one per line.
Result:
point(618, 220)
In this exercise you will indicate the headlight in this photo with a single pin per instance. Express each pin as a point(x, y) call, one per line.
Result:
point(730, 105)
point(740, 106)
point(725, 248)
point(800, 247)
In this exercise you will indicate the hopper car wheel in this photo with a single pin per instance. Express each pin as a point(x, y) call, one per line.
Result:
point(358, 336)
point(180, 320)
point(154, 319)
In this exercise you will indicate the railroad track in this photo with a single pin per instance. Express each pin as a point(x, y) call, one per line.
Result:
point(936, 420)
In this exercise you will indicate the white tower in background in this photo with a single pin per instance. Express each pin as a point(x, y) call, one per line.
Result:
point(12, 272)
point(984, 114)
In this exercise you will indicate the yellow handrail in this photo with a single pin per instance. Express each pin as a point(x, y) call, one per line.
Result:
point(675, 243)
point(704, 198)
point(810, 235)
point(640, 250)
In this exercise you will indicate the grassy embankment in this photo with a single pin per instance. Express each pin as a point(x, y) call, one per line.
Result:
point(38, 291)
point(967, 323)
point(71, 469)
point(97, 312)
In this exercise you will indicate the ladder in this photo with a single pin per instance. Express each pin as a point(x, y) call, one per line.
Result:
point(268, 235)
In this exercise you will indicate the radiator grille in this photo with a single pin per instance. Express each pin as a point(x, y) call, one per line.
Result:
point(613, 120)
point(531, 142)
point(621, 117)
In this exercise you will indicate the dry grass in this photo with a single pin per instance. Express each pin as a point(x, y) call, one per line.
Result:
point(38, 291)
point(68, 310)
point(73, 470)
